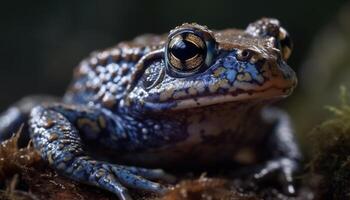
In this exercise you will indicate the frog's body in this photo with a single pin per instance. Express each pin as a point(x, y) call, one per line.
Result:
point(194, 97)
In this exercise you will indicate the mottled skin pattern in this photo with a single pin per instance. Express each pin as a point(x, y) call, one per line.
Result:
point(136, 104)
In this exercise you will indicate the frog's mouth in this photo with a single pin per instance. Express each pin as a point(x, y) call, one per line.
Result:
point(263, 93)
point(272, 93)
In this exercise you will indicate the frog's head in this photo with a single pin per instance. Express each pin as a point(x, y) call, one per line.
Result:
point(198, 67)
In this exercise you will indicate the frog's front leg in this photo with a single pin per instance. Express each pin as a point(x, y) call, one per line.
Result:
point(58, 140)
point(283, 151)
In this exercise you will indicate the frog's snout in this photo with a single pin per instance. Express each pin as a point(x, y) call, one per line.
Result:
point(278, 74)
point(287, 75)
point(247, 72)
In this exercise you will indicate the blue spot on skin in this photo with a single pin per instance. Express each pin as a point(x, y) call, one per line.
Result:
point(231, 75)
point(252, 70)
point(233, 65)
point(256, 75)
point(230, 62)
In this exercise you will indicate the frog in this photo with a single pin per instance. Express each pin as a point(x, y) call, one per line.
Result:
point(194, 97)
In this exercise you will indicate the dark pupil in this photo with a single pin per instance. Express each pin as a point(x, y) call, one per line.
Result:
point(184, 50)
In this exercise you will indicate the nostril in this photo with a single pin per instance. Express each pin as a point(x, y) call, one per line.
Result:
point(244, 55)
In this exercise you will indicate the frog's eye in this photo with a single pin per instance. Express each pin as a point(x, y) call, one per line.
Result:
point(188, 52)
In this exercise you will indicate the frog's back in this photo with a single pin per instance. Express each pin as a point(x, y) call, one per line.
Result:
point(103, 77)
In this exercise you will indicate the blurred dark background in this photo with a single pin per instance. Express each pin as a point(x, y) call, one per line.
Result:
point(42, 41)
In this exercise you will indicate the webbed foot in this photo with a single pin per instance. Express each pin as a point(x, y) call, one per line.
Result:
point(117, 178)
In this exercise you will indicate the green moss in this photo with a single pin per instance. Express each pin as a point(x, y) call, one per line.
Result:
point(331, 150)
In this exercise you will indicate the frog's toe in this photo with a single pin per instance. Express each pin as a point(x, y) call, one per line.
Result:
point(133, 179)
point(152, 174)
point(283, 170)
point(117, 179)
point(105, 179)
